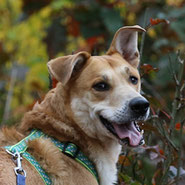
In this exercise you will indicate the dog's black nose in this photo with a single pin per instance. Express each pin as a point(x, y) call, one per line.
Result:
point(139, 105)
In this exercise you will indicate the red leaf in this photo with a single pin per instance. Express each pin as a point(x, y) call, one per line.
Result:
point(92, 41)
point(177, 126)
point(73, 27)
point(161, 152)
point(54, 82)
point(154, 22)
point(147, 68)
point(158, 21)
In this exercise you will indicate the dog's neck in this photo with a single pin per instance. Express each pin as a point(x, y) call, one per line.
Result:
point(52, 118)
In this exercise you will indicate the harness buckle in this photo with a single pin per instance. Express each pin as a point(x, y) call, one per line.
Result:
point(74, 154)
point(17, 158)
point(19, 169)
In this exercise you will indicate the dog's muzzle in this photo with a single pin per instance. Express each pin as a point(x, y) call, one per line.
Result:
point(128, 132)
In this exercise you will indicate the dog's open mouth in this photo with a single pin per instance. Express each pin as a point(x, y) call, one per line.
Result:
point(128, 133)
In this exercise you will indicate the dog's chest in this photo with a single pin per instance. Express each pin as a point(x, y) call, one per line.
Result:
point(108, 174)
point(106, 165)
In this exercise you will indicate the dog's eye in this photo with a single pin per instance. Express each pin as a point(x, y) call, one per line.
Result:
point(101, 86)
point(133, 80)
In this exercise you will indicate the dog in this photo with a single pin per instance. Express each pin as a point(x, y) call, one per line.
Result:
point(96, 105)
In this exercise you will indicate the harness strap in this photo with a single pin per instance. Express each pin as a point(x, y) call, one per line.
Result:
point(74, 152)
point(21, 147)
point(67, 148)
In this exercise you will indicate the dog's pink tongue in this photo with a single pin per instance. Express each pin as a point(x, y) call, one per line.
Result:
point(128, 131)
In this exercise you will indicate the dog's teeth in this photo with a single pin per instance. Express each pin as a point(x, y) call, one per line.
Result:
point(137, 126)
point(142, 142)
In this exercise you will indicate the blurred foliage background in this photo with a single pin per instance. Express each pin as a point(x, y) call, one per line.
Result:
point(32, 32)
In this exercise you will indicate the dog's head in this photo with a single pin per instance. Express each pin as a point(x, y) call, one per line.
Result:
point(104, 91)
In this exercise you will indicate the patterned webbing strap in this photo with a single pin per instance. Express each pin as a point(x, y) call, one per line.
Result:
point(67, 148)
point(21, 147)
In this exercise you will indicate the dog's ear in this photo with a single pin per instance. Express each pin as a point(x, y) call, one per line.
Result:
point(125, 42)
point(62, 68)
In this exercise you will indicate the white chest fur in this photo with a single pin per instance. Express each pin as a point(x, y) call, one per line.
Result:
point(106, 164)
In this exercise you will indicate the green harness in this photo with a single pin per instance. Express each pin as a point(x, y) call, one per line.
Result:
point(67, 148)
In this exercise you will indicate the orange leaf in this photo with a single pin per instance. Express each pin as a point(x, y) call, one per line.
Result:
point(154, 22)
point(124, 160)
point(73, 27)
point(147, 68)
point(158, 21)
point(54, 82)
point(161, 152)
point(92, 41)
point(177, 126)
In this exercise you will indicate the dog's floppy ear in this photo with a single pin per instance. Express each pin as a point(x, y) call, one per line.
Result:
point(62, 68)
point(125, 42)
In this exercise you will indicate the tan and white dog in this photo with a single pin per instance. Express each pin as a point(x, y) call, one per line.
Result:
point(96, 105)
